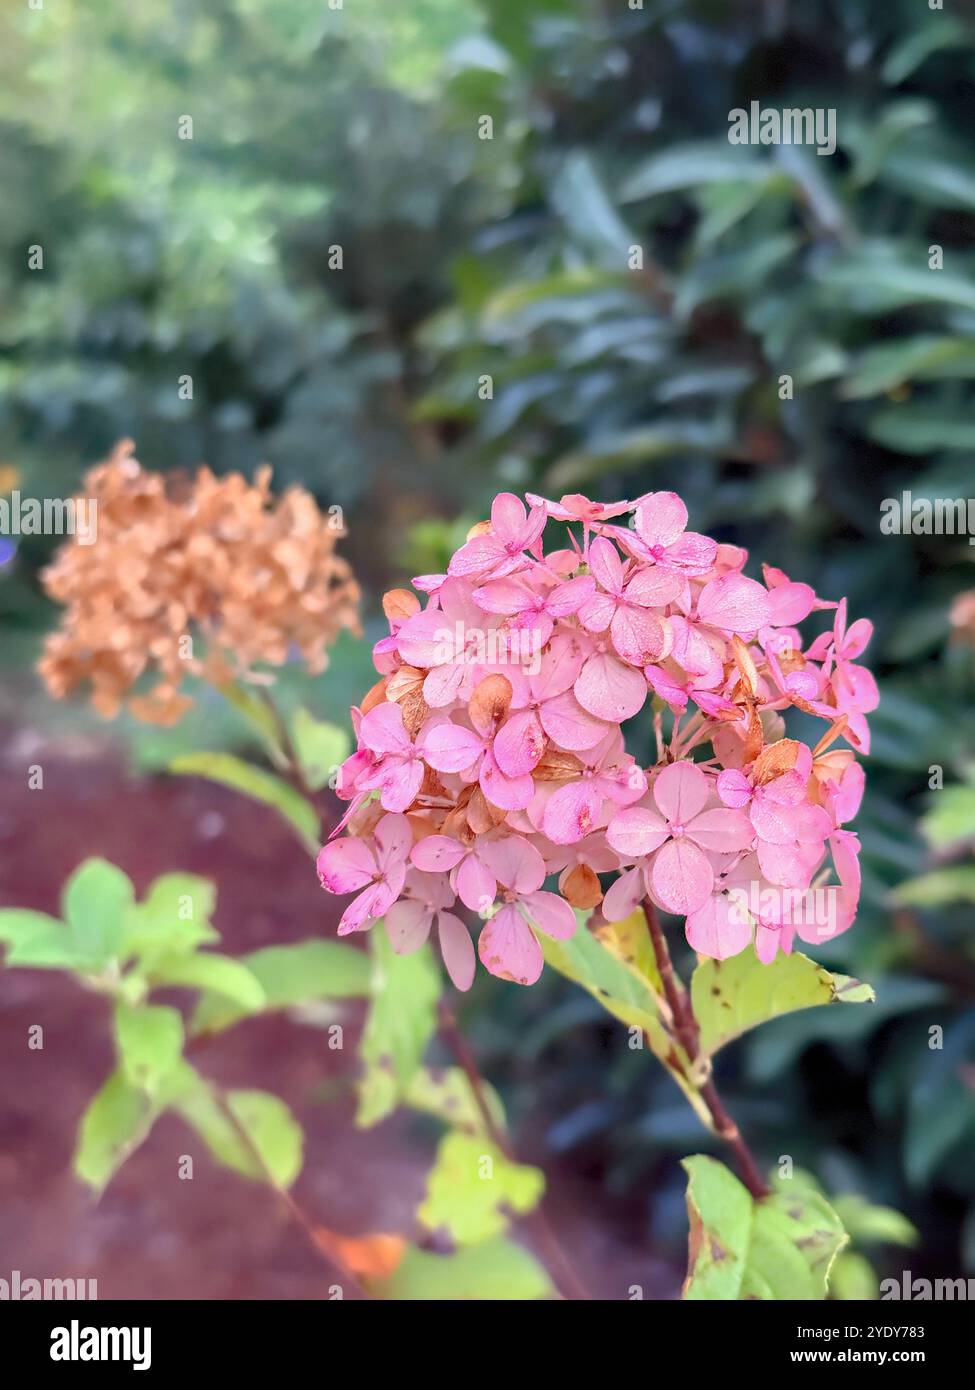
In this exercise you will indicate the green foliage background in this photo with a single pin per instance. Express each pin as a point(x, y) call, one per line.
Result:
point(358, 127)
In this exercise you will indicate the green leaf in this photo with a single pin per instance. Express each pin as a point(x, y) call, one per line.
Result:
point(116, 1122)
point(523, 295)
point(732, 996)
point(401, 1021)
point(95, 903)
point(321, 747)
point(447, 1094)
point(496, 1270)
point(473, 1185)
point(291, 975)
point(953, 884)
point(618, 971)
point(877, 280)
point(926, 357)
point(918, 44)
point(951, 820)
point(853, 1279)
point(921, 429)
point(259, 1137)
point(863, 1221)
point(208, 971)
point(34, 940)
point(173, 918)
point(255, 782)
point(690, 165)
point(149, 1038)
point(779, 1247)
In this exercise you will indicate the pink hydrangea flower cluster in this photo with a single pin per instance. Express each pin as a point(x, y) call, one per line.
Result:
point(491, 755)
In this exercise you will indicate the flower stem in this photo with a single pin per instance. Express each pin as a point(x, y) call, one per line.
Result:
point(566, 1280)
point(688, 1035)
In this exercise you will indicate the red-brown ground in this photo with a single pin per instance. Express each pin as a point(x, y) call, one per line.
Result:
point(153, 1235)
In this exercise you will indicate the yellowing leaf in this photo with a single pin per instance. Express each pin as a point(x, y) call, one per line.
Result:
point(473, 1187)
point(732, 996)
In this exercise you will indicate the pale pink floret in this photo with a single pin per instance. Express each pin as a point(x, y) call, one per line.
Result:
point(378, 867)
point(679, 834)
point(500, 550)
point(397, 767)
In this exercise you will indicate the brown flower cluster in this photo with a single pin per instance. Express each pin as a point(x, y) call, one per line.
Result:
point(203, 575)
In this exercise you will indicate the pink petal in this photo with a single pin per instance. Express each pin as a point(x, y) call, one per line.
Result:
point(508, 949)
point(570, 726)
point(370, 905)
point(519, 744)
point(734, 603)
point(451, 747)
point(508, 516)
point(636, 831)
point(857, 637)
point(692, 553)
point(551, 914)
point(437, 854)
point(505, 596)
point(394, 838)
point(510, 793)
point(514, 861)
point(624, 896)
point(734, 788)
point(425, 639)
point(563, 661)
point(606, 565)
point(572, 812)
point(682, 877)
point(721, 831)
point(382, 730)
point(681, 791)
point(638, 635)
point(610, 690)
point(457, 950)
point(596, 613)
point(653, 587)
point(661, 518)
point(790, 603)
point(568, 597)
point(477, 887)
point(720, 928)
point(408, 926)
point(401, 785)
point(344, 866)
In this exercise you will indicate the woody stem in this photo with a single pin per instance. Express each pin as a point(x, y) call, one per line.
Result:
point(567, 1281)
point(688, 1035)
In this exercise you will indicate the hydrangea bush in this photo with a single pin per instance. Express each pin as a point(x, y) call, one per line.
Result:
point(491, 781)
point(491, 752)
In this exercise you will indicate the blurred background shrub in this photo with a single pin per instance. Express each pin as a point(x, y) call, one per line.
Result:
point(338, 262)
